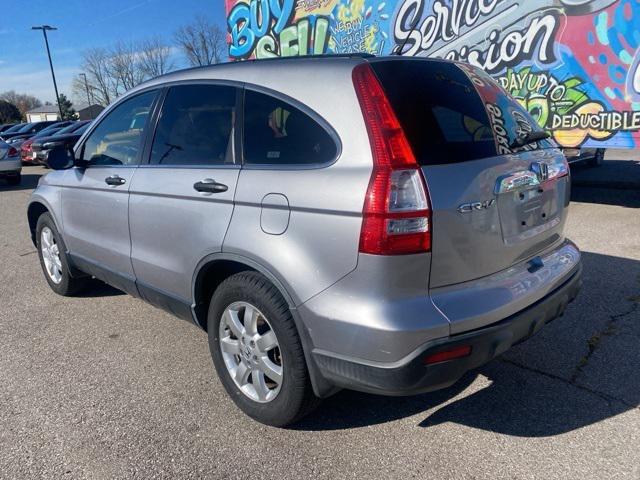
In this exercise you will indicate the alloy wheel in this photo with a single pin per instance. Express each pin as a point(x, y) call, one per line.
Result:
point(51, 255)
point(251, 352)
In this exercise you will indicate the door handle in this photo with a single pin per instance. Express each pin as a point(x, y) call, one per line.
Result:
point(209, 185)
point(115, 180)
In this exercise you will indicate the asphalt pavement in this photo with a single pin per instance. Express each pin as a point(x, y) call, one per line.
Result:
point(105, 386)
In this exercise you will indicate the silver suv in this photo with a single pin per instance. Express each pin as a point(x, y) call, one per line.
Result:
point(377, 224)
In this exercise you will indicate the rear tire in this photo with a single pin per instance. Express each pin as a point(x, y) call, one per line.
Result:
point(53, 259)
point(283, 402)
point(598, 158)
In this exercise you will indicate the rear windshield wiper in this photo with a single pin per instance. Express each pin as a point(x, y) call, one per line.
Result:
point(528, 138)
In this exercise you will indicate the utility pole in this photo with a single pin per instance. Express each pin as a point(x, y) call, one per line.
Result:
point(86, 86)
point(44, 29)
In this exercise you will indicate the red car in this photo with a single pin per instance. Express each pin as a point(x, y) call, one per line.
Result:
point(26, 153)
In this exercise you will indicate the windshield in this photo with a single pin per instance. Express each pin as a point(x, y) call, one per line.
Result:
point(47, 132)
point(15, 128)
point(82, 129)
point(70, 128)
point(26, 128)
point(52, 128)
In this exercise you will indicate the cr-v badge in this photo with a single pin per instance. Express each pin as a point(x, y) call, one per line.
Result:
point(471, 206)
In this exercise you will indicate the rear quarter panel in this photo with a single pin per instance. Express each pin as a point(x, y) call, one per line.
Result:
point(320, 243)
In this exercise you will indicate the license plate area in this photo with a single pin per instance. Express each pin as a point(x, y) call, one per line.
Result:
point(526, 213)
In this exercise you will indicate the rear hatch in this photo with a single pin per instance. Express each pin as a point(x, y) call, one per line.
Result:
point(493, 204)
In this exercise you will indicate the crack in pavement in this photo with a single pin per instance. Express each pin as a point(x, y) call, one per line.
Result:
point(604, 396)
point(593, 342)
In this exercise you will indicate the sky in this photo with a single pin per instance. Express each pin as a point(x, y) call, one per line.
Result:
point(81, 24)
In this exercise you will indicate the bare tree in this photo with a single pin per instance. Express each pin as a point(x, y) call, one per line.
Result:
point(23, 101)
point(103, 86)
point(112, 71)
point(126, 66)
point(202, 42)
point(154, 57)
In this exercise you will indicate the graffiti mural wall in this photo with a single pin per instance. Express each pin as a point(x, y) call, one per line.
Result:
point(573, 64)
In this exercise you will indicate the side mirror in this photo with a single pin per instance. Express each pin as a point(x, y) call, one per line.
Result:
point(60, 158)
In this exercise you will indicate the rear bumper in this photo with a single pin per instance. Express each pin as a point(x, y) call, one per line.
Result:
point(411, 376)
point(584, 154)
point(10, 166)
point(41, 157)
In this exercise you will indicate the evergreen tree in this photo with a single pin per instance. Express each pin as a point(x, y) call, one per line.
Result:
point(9, 113)
point(68, 112)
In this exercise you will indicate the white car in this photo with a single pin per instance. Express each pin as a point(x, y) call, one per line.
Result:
point(10, 164)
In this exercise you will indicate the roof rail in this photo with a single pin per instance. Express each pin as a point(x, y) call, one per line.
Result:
point(302, 57)
point(251, 60)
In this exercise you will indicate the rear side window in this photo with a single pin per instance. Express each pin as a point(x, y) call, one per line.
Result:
point(195, 126)
point(277, 133)
point(442, 112)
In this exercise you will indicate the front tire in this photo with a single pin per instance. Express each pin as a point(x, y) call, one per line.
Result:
point(257, 352)
point(53, 259)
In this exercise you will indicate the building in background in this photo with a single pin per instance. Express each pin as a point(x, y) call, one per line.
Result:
point(573, 64)
point(43, 113)
point(90, 112)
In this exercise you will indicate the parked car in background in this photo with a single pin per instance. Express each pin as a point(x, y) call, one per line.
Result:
point(6, 126)
point(67, 137)
point(17, 139)
point(24, 142)
point(379, 224)
point(590, 156)
point(28, 130)
point(12, 129)
point(10, 165)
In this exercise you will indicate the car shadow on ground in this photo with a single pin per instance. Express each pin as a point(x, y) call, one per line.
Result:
point(606, 196)
point(98, 289)
point(29, 182)
point(579, 370)
point(615, 182)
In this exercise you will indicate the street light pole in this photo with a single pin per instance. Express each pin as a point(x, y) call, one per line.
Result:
point(44, 29)
point(86, 86)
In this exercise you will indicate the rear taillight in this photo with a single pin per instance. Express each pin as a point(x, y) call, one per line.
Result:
point(558, 168)
point(25, 150)
point(396, 214)
point(12, 152)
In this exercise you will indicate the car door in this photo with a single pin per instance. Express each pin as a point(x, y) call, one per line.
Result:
point(182, 198)
point(95, 198)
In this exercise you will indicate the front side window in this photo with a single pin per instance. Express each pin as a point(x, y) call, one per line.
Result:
point(117, 139)
point(195, 126)
point(277, 133)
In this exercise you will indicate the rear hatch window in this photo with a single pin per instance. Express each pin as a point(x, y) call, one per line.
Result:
point(453, 112)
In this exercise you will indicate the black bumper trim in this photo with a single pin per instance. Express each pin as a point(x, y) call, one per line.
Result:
point(486, 343)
